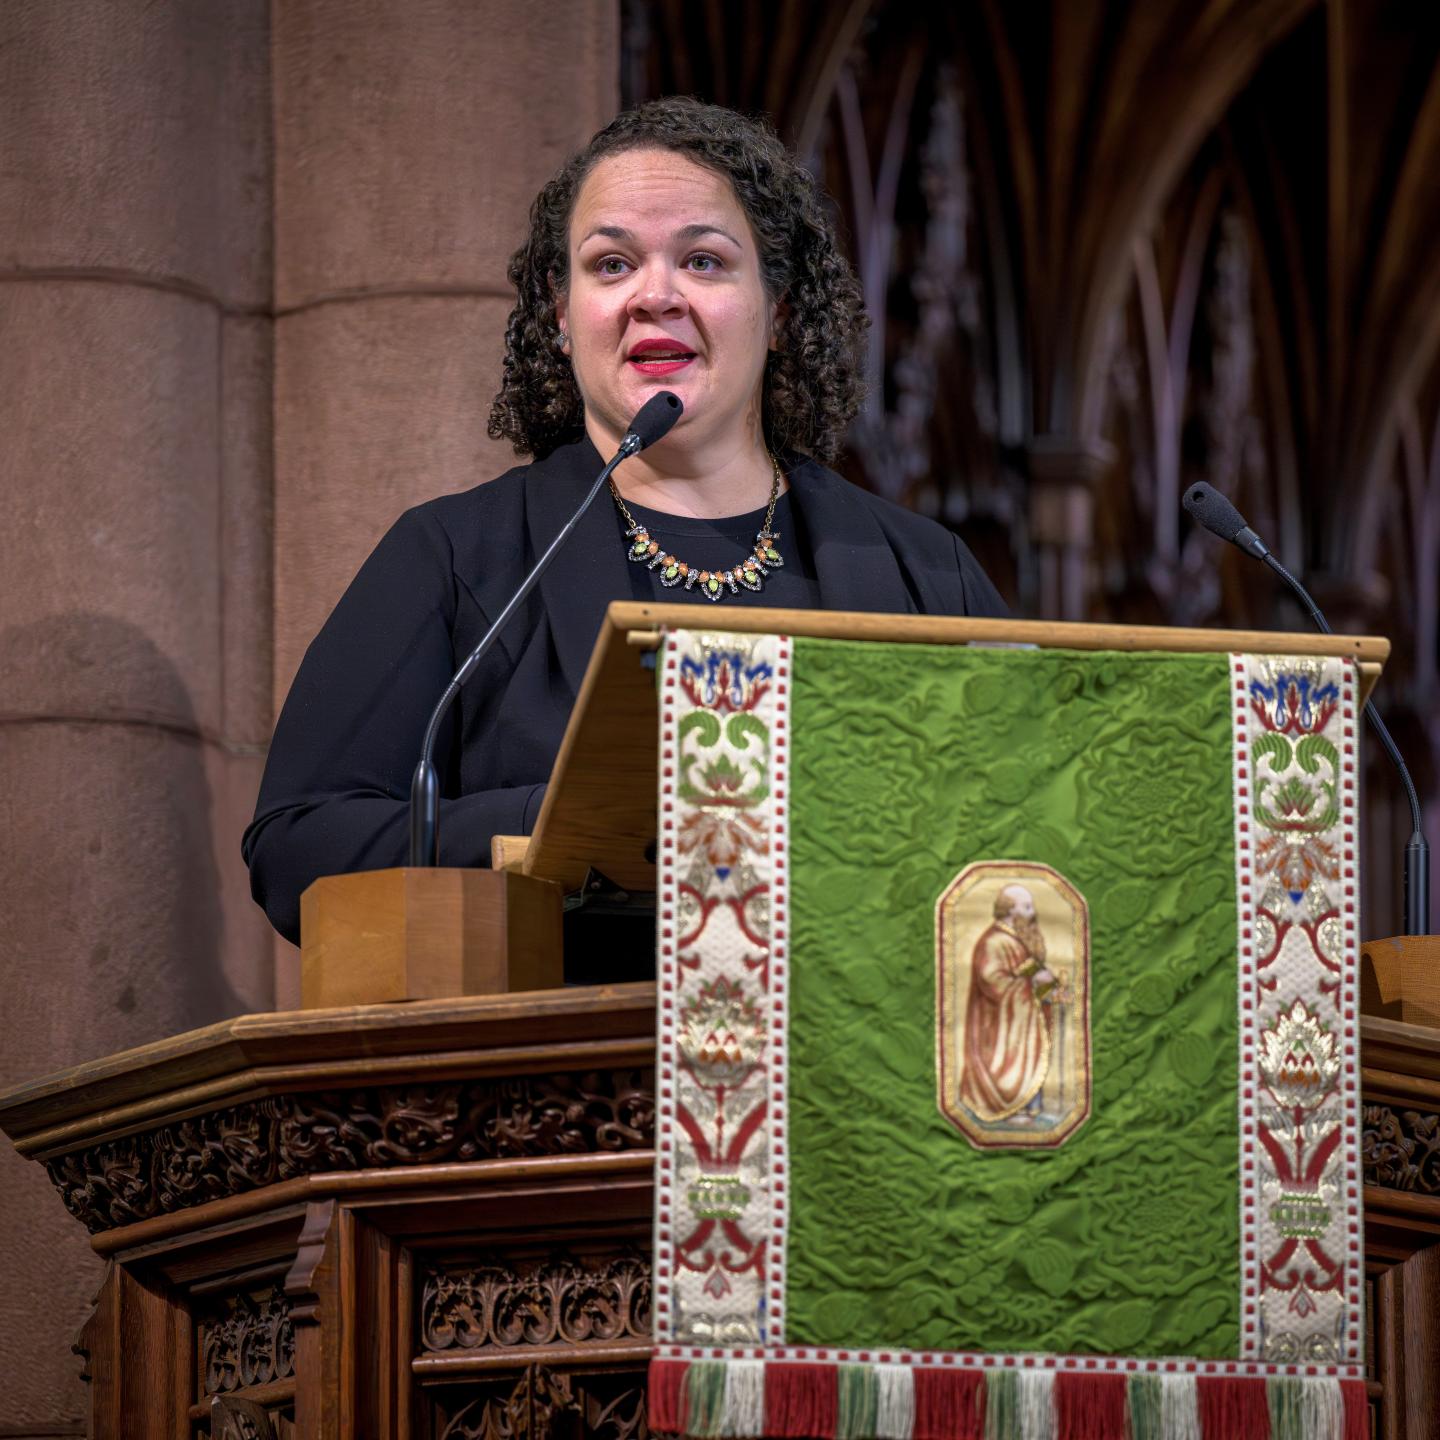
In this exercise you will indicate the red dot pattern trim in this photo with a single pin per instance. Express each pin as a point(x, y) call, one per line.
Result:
point(1246, 992)
point(663, 1262)
point(779, 994)
point(1354, 1274)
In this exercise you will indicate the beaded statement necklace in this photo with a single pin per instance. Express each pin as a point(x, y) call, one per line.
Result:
point(750, 572)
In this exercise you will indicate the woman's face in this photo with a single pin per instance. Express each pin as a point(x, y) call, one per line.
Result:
point(665, 294)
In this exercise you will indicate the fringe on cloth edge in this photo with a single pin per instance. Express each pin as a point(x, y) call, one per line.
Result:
point(753, 1400)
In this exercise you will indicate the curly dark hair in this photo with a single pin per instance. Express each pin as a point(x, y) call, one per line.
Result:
point(812, 386)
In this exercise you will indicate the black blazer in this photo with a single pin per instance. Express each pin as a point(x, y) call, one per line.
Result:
point(335, 794)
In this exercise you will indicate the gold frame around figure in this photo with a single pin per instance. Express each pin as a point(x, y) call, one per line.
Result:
point(964, 916)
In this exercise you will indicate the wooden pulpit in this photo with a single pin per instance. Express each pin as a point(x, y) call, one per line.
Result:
point(431, 1218)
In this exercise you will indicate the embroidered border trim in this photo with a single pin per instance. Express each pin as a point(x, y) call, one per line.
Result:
point(1350, 1013)
point(722, 1206)
point(1300, 1198)
point(663, 1265)
point(1245, 1001)
point(779, 992)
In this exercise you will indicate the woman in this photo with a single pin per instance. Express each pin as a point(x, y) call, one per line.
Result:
point(684, 249)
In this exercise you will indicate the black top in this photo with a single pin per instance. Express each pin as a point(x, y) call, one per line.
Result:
point(335, 796)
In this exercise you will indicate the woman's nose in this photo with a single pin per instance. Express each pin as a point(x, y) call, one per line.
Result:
point(658, 292)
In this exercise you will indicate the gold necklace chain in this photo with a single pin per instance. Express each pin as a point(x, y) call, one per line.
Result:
point(750, 572)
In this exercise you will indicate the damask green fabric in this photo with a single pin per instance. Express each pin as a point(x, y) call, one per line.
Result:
point(910, 763)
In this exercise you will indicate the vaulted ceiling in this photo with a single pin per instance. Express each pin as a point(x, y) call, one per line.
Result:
point(1111, 248)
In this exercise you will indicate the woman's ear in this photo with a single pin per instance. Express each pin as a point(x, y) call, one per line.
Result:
point(779, 315)
point(557, 297)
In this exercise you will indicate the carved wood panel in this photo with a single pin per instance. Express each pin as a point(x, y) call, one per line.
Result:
point(235, 1418)
point(247, 1340)
point(575, 1296)
point(1400, 1149)
point(543, 1404)
point(244, 1147)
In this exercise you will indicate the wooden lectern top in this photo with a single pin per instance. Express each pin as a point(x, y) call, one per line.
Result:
point(599, 808)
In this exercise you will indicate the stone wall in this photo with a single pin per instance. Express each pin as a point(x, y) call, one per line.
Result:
point(252, 296)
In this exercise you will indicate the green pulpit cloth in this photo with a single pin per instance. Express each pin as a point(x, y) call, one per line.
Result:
point(1008, 1068)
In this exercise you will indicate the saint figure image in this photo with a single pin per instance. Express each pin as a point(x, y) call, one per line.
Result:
point(1008, 1017)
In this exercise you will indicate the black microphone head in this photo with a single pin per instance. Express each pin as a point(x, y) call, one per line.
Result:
point(655, 419)
point(1214, 511)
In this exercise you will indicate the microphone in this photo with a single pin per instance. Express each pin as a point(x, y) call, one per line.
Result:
point(1220, 517)
point(653, 421)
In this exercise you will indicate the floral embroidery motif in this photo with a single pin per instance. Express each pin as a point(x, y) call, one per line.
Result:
point(721, 1034)
point(1299, 1060)
point(725, 675)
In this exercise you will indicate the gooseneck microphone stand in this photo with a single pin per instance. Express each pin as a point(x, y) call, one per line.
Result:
point(1221, 518)
point(653, 420)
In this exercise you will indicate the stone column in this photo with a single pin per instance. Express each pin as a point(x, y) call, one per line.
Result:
point(145, 339)
point(1063, 472)
point(410, 141)
point(135, 283)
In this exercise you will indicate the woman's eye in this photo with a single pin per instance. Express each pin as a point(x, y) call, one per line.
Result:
point(611, 265)
point(705, 263)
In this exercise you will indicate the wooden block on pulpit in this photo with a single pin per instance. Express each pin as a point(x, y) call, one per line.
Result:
point(427, 934)
point(507, 852)
point(1400, 979)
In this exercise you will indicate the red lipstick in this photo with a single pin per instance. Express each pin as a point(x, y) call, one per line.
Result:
point(669, 356)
